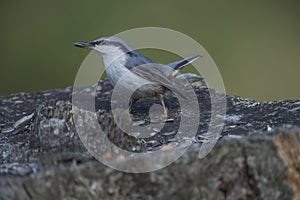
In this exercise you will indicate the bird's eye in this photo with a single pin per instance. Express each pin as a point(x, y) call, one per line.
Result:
point(99, 42)
point(102, 42)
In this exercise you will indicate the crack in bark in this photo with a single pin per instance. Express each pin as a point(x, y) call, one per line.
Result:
point(251, 183)
point(27, 191)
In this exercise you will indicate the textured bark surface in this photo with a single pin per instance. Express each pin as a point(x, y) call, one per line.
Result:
point(42, 156)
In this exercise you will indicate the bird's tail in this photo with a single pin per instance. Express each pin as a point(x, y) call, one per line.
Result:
point(176, 66)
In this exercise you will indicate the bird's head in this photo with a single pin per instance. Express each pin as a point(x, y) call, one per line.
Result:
point(106, 46)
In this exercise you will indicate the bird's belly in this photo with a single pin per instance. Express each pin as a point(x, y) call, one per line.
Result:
point(114, 73)
point(148, 91)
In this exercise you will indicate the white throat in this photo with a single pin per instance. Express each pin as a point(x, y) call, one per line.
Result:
point(117, 58)
point(114, 63)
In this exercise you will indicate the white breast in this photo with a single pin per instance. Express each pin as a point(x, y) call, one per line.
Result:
point(115, 66)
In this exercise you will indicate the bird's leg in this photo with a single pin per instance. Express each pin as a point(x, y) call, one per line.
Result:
point(161, 98)
point(129, 109)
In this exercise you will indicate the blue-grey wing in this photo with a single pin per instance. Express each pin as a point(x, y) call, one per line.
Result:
point(155, 73)
point(135, 59)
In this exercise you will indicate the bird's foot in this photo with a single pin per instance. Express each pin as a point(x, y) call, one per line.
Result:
point(165, 113)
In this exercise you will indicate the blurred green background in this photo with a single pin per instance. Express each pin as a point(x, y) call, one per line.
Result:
point(255, 44)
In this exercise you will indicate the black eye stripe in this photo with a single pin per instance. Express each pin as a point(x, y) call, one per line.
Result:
point(98, 42)
point(107, 42)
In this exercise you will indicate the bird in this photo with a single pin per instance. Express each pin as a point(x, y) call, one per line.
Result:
point(119, 59)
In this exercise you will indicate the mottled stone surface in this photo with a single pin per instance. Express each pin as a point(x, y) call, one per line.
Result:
point(42, 156)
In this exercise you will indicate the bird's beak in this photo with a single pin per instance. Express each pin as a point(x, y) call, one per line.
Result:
point(85, 45)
